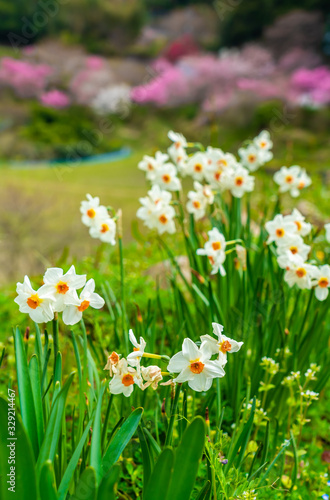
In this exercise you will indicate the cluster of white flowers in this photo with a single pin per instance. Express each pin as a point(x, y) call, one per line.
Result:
point(287, 232)
point(115, 99)
point(58, 294)
point(292, 180)
point(96, 217)
point(212, 170)
point(310, 395)
point(270, 365)
point(156, 211)
point(193, 364)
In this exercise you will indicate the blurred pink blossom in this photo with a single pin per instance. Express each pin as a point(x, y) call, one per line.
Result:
point(26, 79)
point(55, 99)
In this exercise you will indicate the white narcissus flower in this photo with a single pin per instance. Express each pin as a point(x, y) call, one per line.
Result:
point(302, 228)
point(72, 314)
point(166, 178)
point(152, 375)
point(112, 363)
point(299, 272)
point(196, 166)
point(263, 141)
point(38, 304)
point(134, 358)
point(63, 286)
point(150, 164)
point(221, 345)
point(327, 232)
point(179, 141)
point(321, 280)
point(124, 379)
point(294, 244)
point(199, 199)
point(105, 230)
point(252, 157)
point(195, 366)
point(156, 212)
point(292, 179)
point(220, 166)
point(92, 210)
point(279, 229)
point(214, 249)
point(240, 182)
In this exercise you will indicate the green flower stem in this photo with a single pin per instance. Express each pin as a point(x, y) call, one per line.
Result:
point(168, 440)
point(122, 289)
point(55, 338)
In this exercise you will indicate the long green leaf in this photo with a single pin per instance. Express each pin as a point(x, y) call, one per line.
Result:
point(25, 479)
point(160, 478)
point(36, 389)
point(187, 460)
point(146, 457)
point(108, 486)
point(54, 425)
point(86, 487)
point(47, 484)
point(25, 393)
point(96, 450)
point(120, 440)
point(69, 471)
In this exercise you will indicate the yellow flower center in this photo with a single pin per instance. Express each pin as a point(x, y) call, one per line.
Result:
point(217, 175)
point(198, 167)
point(127, 380)
point(104, 228)
point(289, 179)
point(294, 250)
point(91, 213)
point(83, 306)
point(196, 204)
point(62, 287)
point(163, 219)
point(34, 301)
point(252, 158)
point(166, 178)
point(301, 185)
point(280, 232)
point(323, 282)
point(239, 181)
point(298, 224)
point(225, 346)
point(301, 272)
point(222, 163)
point(196, 366)
point(216, 245)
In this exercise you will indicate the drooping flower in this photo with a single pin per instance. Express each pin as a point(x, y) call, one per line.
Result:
point(104, 229)
point(38, 304)
point(63, 286)
point(134, 357)
point(194, 366)
point(152, 375)
point(112, 363)
point(321, 281)
point(92, 210)
point(72, 314)
point(279, 229)
point(214, 249)
point(221, 345)
point(124, 379)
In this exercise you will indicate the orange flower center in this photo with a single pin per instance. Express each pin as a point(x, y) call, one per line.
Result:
point(83, 306)
point(252, 158)
point(127, 380)
point(163, 219)
point(114, 358)
point(280, 232)
point(196, 204)
point(91, 213)
point(196, 366)
point(298, 224)
point(294, 250)
point(301, 272)
point(239, 181)
point(198, 167)
point(263, 144)
point(150, 166)
point(323, 282)
point(222, 163)
point(225, 346)
point(166, 178)
point(289, 179)
point(217, 175)
point(216, 245)
point(301, 185)
point(62, 287)
point(104, 228)
point(34, 301)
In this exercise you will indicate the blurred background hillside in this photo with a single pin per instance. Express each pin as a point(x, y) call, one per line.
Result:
point(104, 80)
